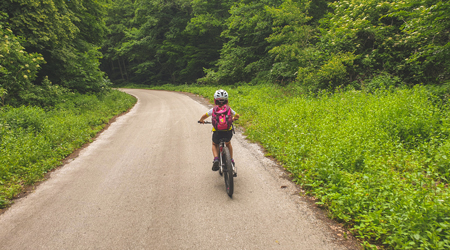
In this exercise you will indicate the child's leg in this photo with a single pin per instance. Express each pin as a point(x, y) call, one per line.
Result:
point(230, 148)
point(215, 150)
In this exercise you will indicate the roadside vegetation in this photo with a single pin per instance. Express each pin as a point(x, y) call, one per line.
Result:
point(35, 140)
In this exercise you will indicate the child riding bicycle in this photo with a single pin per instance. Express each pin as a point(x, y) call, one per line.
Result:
point(222, 118)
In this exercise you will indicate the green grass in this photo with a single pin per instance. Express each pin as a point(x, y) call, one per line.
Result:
point(378, 162)
point(34, 140)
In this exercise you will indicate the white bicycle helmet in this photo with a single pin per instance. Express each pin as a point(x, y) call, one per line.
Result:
point(220, 97)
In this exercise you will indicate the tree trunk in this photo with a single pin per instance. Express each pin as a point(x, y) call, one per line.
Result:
point(120, 67)
point(125, 69)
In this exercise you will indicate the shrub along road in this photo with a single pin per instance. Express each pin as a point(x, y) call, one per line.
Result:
point(146, 183)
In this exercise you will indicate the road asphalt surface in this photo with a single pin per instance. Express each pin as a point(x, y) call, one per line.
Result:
point(146, 183)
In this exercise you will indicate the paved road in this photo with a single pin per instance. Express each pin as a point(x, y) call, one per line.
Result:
point(146, 183)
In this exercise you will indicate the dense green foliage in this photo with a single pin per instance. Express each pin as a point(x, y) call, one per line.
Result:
point(390, 37)
point(48, 47)
point(379, 162)
point(317, 45)
point(154, 42)
point(19, 67)
point(34, 140)
point(18, 71)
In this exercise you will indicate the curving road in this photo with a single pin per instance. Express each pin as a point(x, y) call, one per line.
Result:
point(146, 183)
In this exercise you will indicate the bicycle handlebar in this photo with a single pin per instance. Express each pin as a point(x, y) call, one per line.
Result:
point(207, 122)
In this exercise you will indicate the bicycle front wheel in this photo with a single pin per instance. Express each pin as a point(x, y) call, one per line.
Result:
point(228, 172)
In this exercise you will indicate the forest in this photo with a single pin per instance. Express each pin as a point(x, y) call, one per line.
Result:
point(316, 44)
point(349, 96)
point(49, 47)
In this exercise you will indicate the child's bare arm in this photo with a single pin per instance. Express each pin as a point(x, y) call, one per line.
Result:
point(202, 119)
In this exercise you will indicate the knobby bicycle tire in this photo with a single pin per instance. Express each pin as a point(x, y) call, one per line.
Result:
point(228, 174)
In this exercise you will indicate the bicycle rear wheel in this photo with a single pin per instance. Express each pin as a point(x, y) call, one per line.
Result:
point(228, 172)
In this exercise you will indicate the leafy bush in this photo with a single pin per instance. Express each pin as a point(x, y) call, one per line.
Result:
point(331, 74)
point(83, 73)
point(382, 81)
point(18, 74)
point(408, 39)
point(67, 34)
point(18, 69)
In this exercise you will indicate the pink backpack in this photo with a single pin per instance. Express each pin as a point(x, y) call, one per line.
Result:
point(222, 118)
